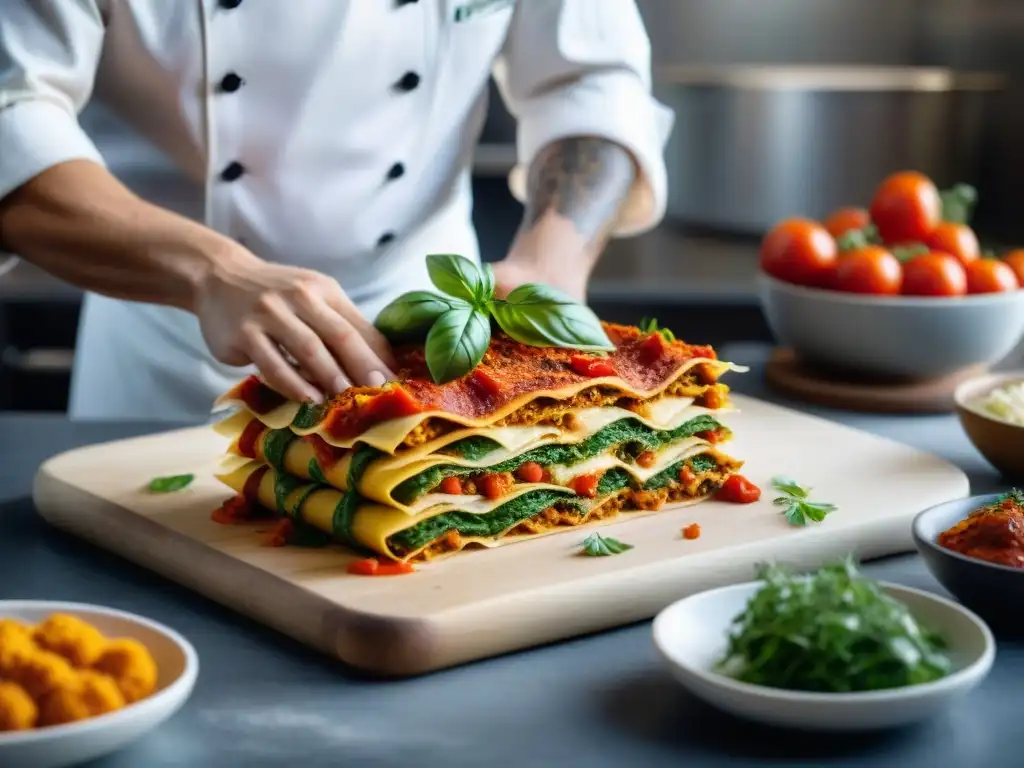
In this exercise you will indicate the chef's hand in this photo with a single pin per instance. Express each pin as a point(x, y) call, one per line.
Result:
point(297, 326)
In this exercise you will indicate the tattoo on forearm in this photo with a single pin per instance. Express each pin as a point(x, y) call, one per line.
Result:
point(584, 179)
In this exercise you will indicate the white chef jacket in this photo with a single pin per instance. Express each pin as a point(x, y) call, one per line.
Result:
point(335, 135)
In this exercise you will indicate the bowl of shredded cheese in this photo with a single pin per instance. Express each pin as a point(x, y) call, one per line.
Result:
point(991, 411)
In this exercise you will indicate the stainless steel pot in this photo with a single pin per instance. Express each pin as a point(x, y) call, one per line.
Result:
point(755, 144)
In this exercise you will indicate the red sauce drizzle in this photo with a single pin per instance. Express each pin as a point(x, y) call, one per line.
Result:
point(257, 396)
point(250, 438)
point(326, 454)
point(508, 371)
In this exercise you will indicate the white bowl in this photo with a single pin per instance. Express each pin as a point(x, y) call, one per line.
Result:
point(900, 337)
point(692, 635)
point(61, 745)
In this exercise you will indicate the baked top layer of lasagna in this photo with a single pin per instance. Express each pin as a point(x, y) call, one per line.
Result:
point(514, 384)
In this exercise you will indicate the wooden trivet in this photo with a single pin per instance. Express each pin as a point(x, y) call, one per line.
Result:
point(787, 374)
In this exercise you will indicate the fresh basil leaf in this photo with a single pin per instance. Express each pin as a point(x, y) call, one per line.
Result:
point(459, 277)
point(596, 545)
point(487, 285)
point(411, 314)
point(542, 316)
point(170, 483)
point(456, 344)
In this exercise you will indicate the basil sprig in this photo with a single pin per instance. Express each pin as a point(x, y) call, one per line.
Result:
point(456, 323)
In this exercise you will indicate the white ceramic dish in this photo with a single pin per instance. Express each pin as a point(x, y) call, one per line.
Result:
point(74, 743)
point(908, 337)
point(691, 636)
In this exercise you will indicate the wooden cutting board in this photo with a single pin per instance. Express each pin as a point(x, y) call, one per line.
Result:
point(486, 602)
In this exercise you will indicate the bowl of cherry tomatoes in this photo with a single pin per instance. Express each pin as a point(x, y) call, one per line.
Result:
point(899, 290)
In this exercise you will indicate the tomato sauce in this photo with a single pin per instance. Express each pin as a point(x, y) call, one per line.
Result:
point(509, 370)
point(994, 534)
point(738, 490)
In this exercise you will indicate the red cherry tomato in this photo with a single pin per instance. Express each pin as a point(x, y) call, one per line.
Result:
point(495, 485)
point(991, 276)
point(934, 274)
point(871, 269)
point(799, 251)
point(1015, 260)
point(585, 485)
point(844, 220)
point(957, 240)
point(906, 208)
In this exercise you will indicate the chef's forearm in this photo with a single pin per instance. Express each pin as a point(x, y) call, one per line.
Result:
point(575, 188)
point(79, 223)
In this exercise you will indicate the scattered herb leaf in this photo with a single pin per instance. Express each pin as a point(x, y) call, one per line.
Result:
point(170, 483)
point(832, 631)
point(596, 545)
point(796, 504)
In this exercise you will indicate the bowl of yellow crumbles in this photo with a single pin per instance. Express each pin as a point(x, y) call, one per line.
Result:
point(79, 681)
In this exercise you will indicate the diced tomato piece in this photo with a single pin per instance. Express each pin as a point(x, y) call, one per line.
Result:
point(712, 436)
point(592, 367)
point(686, 476)
point(713, 398)
point(392, 404)
point(692, 531)
point(249, 439)
point(258, 397)
point(531, 472)
point(373, 567)
point(394, 569)
point(738, 490)
point(652, 348)
point(451, 486)
point(586, 485)
point(704, 351)
point(327, 455)
point(281, 534)
point(366, 567)
point(235, 510)
point(495, 485)
point(484, 382)
point(646, 459)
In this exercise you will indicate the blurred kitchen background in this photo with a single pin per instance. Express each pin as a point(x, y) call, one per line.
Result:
point(783, 107)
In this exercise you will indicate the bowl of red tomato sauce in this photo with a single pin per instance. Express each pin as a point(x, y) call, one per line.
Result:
point(900, 289)
point(974, 547)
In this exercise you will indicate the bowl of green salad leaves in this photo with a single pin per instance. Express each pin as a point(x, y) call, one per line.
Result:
point(831, 650)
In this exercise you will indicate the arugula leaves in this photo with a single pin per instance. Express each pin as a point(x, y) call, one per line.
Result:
point(796, 504)
point(596, 545)
point(832, 631)
point(170, 484)
point(456, 324)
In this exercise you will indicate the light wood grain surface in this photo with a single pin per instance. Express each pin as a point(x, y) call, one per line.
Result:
point(483, 603)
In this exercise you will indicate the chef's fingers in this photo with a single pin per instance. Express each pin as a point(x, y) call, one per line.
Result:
point(362, 365)
point(279, 375)
point(343, 305)
point(308, 346)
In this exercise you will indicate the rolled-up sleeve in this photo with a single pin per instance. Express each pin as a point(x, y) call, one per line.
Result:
point(49, 51)
point(583, 68)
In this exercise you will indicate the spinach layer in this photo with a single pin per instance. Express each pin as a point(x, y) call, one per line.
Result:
point(628, 436)
point(529, 504)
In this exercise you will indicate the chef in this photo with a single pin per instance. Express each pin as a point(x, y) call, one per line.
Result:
point(330, 144)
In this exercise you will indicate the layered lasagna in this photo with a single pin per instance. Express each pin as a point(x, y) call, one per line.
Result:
point(532, 441)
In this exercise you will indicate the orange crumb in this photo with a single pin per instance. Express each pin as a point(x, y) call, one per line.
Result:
point(692, 531)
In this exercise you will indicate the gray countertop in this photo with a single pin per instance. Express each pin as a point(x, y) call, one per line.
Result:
point(604, 700)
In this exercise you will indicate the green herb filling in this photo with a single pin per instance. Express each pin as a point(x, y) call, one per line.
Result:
point(627, 437)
